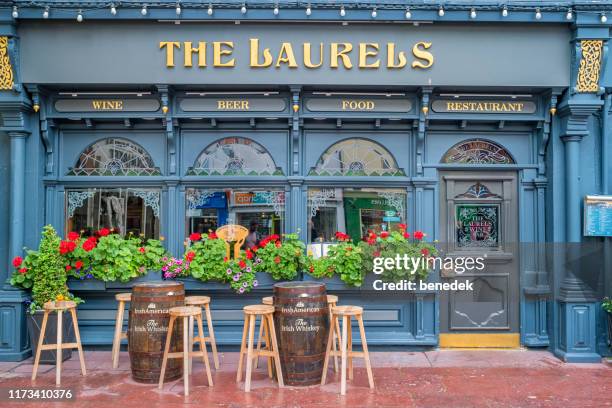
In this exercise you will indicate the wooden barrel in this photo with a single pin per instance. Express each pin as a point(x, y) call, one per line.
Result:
point(148, 328)
point(302, 326)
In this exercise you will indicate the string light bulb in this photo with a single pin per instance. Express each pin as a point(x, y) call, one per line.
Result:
point(374, 13)
point(603, 18)
point(505, 11)
point(538, 14)
point(276, 10)
point(342, 11)
point(473, 13)
point(80, 16)
point(569, 14)
point(210, 10)
point(113, 9)
point(243, 9)
point(408, 14)
point(441, 11)
point(15, 12)
point(308, 10)
point(144, 10)
point(178, 9)
point(46, 12)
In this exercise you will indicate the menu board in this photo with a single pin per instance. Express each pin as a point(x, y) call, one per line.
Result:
point(598, 216)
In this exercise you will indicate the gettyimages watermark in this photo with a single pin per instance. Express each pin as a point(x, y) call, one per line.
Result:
point(410, 265)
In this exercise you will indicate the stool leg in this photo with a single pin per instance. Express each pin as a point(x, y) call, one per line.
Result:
point(166, 350)
point(366, 355)
point(186, 354)
point(344, 339)
point(249, 363)
point(261, 329)
point(272, 333)
point(211, 334)
point(117, 336)
point(242, 347)
point(334, 348)
point(58, 348)
point(337, 333)
point(77, 335)
point(269, 360)
point(40, 344)
point(191, 342)
point(330, 339)
point(203, 350)
point(349, 353)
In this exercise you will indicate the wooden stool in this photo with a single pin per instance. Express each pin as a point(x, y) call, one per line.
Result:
point(187, 313)
point(264, 334)
point(60, 307)
point(346, 349)
point(200, 301)
point(250, 316)
point(332, 301)
point(122, 298)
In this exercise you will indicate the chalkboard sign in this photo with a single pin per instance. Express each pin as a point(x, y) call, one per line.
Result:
point(598, 216)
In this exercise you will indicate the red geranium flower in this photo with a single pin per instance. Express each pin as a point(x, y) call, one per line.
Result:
point(311, 268)
point(23, 270)
point(89, 244)
point(384, 234)
point(190, 255)
point(142, 250)
point(402, 227)
point(263, 243)
point(406, 235)
point(66, 246)
point(68, 267)
point(376, 254)
point(255, 248)
point(78, 264)
point(104, 232)
point(418, 235)
point(277, 259)
point(249, 254)
point(212, 235)
point(242, 264)
point(278, 244)
point(225, 259)
point(424, 251)
point(17, 261)
point(73, 236)
point(196, 236)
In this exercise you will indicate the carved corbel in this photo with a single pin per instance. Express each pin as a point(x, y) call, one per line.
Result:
point(549, 113)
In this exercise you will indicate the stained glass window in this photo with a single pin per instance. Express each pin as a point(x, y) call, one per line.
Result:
point(356, 157)
point(234, 156)
point(477, 225)
point(477, 151)
point(114, 157)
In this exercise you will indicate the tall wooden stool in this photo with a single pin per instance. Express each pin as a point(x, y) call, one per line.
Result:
point(346, 349)
point(250, 316)
point(59, 307)
point(264, 335)
point(122, 298)
point(203, 301)
point(332, 301)
point(187, 313)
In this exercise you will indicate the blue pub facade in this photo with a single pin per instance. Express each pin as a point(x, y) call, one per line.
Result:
point(167, 118)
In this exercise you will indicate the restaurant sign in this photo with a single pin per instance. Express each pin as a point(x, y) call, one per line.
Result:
point(483, 106)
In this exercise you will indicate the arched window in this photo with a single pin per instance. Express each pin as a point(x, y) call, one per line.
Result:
point(477, 151)
point(234, 156)
point(114, 157)
point(356, 157)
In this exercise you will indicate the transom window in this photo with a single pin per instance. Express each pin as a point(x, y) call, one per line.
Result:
point(477, 151)
point(114, 157)
point(235, 156)
point(356, 157)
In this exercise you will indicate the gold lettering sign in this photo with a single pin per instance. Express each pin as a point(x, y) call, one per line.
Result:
point(107, 105)
point(358, 105)
point(233, 105)
point(484, 106)
point(335, 55)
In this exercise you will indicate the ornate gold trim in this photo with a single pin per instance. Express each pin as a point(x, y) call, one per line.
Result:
point(6, 70)
point(590, 65)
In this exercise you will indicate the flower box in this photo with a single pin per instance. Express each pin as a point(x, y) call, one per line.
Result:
point(150, 276)
point(264, 280)
point(334, 283)
point(86, 285)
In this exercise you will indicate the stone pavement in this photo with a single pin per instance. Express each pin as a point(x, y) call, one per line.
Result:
point(438, 378)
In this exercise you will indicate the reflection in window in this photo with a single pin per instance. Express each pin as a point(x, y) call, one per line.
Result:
point(234, 156)
point(127, 210)
point(477, 225)
point(356, 157)
point(114, 157)
point(354, 211)
point(261, 211)
point(477, 151)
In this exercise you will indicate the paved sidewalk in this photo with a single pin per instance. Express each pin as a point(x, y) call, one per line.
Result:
point(440, 378)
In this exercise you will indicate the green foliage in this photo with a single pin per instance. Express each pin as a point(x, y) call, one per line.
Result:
point(208, 262)
point(23, 276)
point(343, 259)
point(606, 304)
point(281, 259)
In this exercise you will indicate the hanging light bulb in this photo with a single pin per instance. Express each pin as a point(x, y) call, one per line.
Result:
point(374, 13)
point(473, 13)
point(276, 10)
point(441, 11)
point(210, 10)
point(178, 9)
point(144, 10)
point(505, 11)
point(243, 9)
point(569, 14)
point(603, 18)
point(408, 14)
point(342, 11)
point(80, 16)
point(538, 14)
point(46, 12)
point(308, 10)
point(113, 10)
point(15, 12)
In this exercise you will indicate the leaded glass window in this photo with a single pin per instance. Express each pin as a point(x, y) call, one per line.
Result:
point(356, 157)
point(477, 225)
point(114, 157)
point(477, 151)
point(127, 210)
point(235, 156)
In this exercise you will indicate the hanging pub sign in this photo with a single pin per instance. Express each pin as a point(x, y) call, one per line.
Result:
point(233, 104)
point(107, 105)
point(501, 106)
point(358, 104)
point(598, 216)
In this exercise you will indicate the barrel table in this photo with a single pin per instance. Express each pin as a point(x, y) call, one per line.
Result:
point(147, 329)
point(301, 318)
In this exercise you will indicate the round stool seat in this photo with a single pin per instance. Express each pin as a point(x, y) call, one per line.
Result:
point(347, 310)
point(268, 300)
point(60, 305)
point(332, 299)
point(197, 300)
point(258, 309)
point(123, 297)
point(185, 311)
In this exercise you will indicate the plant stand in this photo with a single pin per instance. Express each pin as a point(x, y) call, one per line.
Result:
point(34, 326)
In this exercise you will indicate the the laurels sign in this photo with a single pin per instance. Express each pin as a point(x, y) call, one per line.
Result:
point(363, 55)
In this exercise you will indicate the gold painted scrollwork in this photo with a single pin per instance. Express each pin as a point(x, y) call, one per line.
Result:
point(6, 70)
point(590, 65)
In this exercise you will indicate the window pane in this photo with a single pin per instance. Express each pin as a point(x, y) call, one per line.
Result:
point(477, 225)
point(354, 211)
point(126, 210)
point(262, 211)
